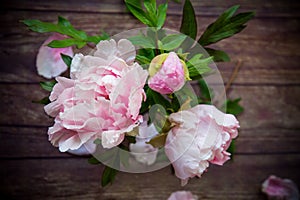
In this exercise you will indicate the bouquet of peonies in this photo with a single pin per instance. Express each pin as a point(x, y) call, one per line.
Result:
point(143, 98)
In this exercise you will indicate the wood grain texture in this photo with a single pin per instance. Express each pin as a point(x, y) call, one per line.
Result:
point(267, 8)
point(268, 83)
point(73, 178)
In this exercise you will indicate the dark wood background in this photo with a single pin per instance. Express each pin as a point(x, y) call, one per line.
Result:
point(268, 83)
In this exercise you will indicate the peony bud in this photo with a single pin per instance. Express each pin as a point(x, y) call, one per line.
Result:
point(167, 73)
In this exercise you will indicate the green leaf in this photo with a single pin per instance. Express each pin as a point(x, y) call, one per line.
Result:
point(205, 91)
point(97, 38)
point(67, 29)
point(143, 41)
point(233, 107)
point(48, 85)
point(94, 161)
point(198, 66)
point(218, 55)
point(161, 14)
point(225, 26)
point(231, 148)
point(66, 43)
point(157, 98)
point(63, 26)
point(158, 141)
point(108, 176)
point(150, 6)
point(142, 60)
point(189, 22)
point(134, 6)
point(173, 41)
point(43, 101)
point(184, 95)
point(39, 26)
point(67, 59)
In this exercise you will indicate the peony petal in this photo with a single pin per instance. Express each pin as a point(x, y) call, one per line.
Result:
point(49, 62)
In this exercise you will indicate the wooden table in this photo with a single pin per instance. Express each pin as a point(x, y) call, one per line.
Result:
point(268, 83)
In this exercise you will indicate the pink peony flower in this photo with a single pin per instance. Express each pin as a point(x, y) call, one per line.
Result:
point(144, 153)
point(182, 195)
point(101, 101)
point(277, 188)
point(200, 135)
point(49, 62)
point(167, 73)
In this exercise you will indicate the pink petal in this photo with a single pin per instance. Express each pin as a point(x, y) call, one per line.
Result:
point(49, 62)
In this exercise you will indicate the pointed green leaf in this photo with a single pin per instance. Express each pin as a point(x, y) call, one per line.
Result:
point(43, 101)
point(94, 161)
point(218, 55)
point(233, 107)
point(189, 22)
point(225, 26)
point(161, 14)
point(173, 41)
point(150, 6)
point(66, 43)
point(48, 85)
point(143, 41)
point(97, 38)
point(135, 8)
point(108, 176)
point(205, 91)
point(198, 66)
point(67, 59)
point(231, 148)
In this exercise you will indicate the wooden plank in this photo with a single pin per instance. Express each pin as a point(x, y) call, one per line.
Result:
point(267, 47)
point(265, 106)
point(27, 142)
point(275, 8)
point(32, 142)
point(76, 179)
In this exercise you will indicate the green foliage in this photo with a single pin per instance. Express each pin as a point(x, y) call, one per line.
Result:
point(158, 141)
point(172, 41)
point(233, 107)
point(142, 41)
point(205, 92)
point(43, 101)
point(67, 59)
point(66, 43)
point(108, 176)
point(63, 26)
point(231, 148)
point(94, 161)
point(198, 66)
point(225, 26)
point(48, 85)
point(150, 15)
point(189, 22)
point(218, 55)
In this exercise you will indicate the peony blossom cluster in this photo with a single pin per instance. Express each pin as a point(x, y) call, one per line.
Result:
point(101, 100)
